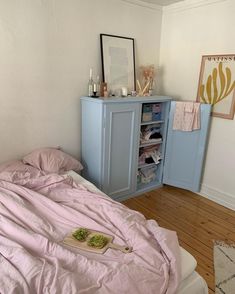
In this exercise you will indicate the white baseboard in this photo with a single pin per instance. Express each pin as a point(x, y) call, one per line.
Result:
point(218, 196)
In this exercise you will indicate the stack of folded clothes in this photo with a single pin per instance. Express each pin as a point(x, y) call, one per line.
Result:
point(147, 175)
point(150, 133)
point(149, 155)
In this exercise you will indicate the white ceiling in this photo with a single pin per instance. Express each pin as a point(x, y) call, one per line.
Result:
point(161, 2)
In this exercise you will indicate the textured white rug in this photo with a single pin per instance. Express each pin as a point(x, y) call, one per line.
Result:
point(224, 265)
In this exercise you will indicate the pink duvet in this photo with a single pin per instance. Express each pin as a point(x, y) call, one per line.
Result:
point(37, 213)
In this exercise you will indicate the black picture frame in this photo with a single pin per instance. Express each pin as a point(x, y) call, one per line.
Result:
point(118, 62)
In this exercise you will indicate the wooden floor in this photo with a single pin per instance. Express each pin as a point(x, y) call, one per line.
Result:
point(197, 221)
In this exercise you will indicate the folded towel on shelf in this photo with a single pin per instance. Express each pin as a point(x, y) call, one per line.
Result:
point(187, 116)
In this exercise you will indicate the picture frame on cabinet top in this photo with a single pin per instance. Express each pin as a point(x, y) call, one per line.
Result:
point(118, 62)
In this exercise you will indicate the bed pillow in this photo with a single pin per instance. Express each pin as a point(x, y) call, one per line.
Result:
point(51, 160)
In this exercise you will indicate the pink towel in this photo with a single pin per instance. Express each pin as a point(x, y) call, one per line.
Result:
point(187, 116)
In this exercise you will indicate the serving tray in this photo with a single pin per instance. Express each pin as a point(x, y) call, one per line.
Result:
point(71, 241)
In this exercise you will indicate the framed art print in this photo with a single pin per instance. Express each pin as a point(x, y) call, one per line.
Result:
point(118, 62)
point(217, 84)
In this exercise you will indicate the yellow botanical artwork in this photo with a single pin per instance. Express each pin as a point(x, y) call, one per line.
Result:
point(217, 84)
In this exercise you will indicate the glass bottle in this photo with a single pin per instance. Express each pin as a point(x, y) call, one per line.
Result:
point(98, 86)
point(90, 84)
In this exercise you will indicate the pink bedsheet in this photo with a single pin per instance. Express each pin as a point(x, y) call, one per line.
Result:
point(37, 213)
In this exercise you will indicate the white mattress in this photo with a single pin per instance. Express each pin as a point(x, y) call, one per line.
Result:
point(191, 281)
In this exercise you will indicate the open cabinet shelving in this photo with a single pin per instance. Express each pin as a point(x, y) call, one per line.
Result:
point(110, 148)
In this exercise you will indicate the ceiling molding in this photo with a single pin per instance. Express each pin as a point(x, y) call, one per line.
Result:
point(144, 4)
point(189, 4)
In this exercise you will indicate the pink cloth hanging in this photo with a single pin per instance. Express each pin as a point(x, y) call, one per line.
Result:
point(187, 116)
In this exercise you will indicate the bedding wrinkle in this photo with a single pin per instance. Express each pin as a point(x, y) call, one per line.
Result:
point(21, 209)
point(37, 213)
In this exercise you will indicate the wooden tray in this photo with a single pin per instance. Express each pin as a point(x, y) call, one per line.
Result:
point(70, 240)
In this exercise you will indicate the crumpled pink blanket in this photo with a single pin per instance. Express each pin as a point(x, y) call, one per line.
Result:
point(37, 213)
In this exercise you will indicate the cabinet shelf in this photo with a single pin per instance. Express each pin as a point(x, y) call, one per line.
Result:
point(147, 165)
point(152, 122)
point(150, 144)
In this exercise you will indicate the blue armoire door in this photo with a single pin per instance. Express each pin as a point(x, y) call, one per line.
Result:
point(185, 151)
point(121, 140)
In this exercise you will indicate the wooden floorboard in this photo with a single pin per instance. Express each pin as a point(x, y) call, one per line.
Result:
point(197, 221)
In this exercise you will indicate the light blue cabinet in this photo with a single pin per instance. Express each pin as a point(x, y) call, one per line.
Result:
point(112, 146)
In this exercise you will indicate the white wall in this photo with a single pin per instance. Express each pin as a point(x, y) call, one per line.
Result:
point(48, 46)
point(188, 32)
point(46, 50)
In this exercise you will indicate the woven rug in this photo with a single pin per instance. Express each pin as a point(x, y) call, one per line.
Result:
point(224, 265)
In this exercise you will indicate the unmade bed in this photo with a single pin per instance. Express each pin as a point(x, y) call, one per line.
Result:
point(190, 281)
point(38, 209)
